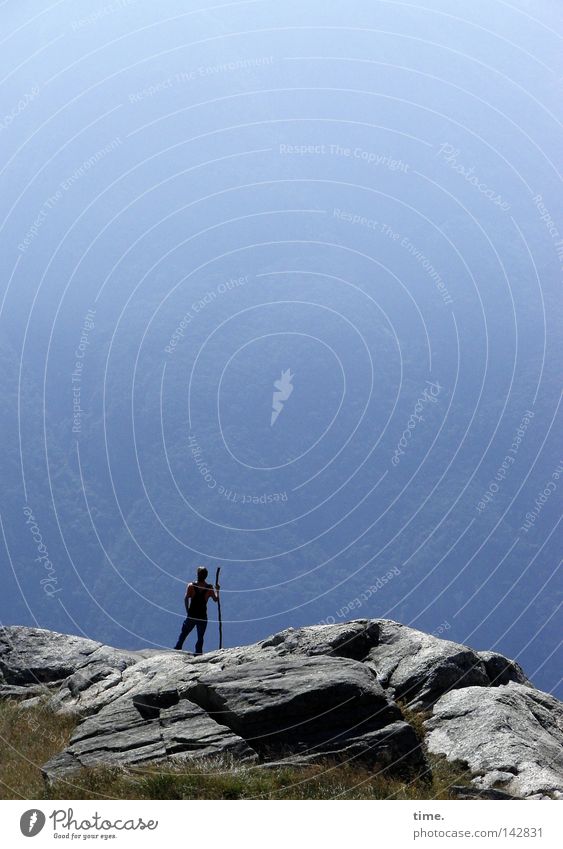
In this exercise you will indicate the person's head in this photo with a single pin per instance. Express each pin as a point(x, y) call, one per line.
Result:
point(202, 573)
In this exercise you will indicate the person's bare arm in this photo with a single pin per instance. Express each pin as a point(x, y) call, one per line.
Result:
point(214, 593)
point(188, 596)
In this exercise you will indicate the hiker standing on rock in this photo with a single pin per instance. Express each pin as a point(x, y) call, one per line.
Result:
point(197, 595)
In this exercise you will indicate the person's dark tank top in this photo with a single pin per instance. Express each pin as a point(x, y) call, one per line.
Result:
point(198, 602)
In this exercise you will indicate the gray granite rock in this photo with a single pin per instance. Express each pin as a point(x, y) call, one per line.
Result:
point(25, 691)
point(501, 670)
point(510, 736)
point(36, 656)
point(300, 695)
point(462, 791)
point(121, 735)
point(395, 748)
point(97, 683)
point(296, 702)
point(173, 704)
point(347, 639)
point(419, 668)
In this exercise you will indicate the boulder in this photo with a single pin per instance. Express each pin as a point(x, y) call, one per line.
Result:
point(462, 791)
point(32, 656)
point(172, 704)
point(98, 683)
point(419, 668)
point(347, 639)
point(501, 670)
point(295, 702)
point(510, 736)
point(121, 735)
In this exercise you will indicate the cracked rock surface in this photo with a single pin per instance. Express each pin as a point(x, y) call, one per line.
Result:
point(121, 735)
point(419, 668)
point(298, 696)
point(511, 736)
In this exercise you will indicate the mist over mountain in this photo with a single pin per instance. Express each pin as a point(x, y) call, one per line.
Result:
point(197, 201)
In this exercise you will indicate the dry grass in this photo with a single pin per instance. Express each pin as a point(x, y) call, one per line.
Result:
point(444, 772)
point(222, 780)
point(416, 718)
point(30, 737)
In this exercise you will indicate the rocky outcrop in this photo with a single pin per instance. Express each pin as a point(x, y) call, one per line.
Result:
point(419, 668)
point(510, 736)
point(32, 656)
point(300, 695)
point(350, 639)
point(35, 662)
point(306, 704)
point(123, 735)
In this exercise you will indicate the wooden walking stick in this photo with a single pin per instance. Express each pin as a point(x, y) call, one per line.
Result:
point(219, 609)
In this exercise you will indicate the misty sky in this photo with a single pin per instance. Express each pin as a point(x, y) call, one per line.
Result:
point(280, 293)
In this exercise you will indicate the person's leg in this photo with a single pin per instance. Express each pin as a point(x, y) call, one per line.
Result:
point(201, 626)
point(187, 627)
